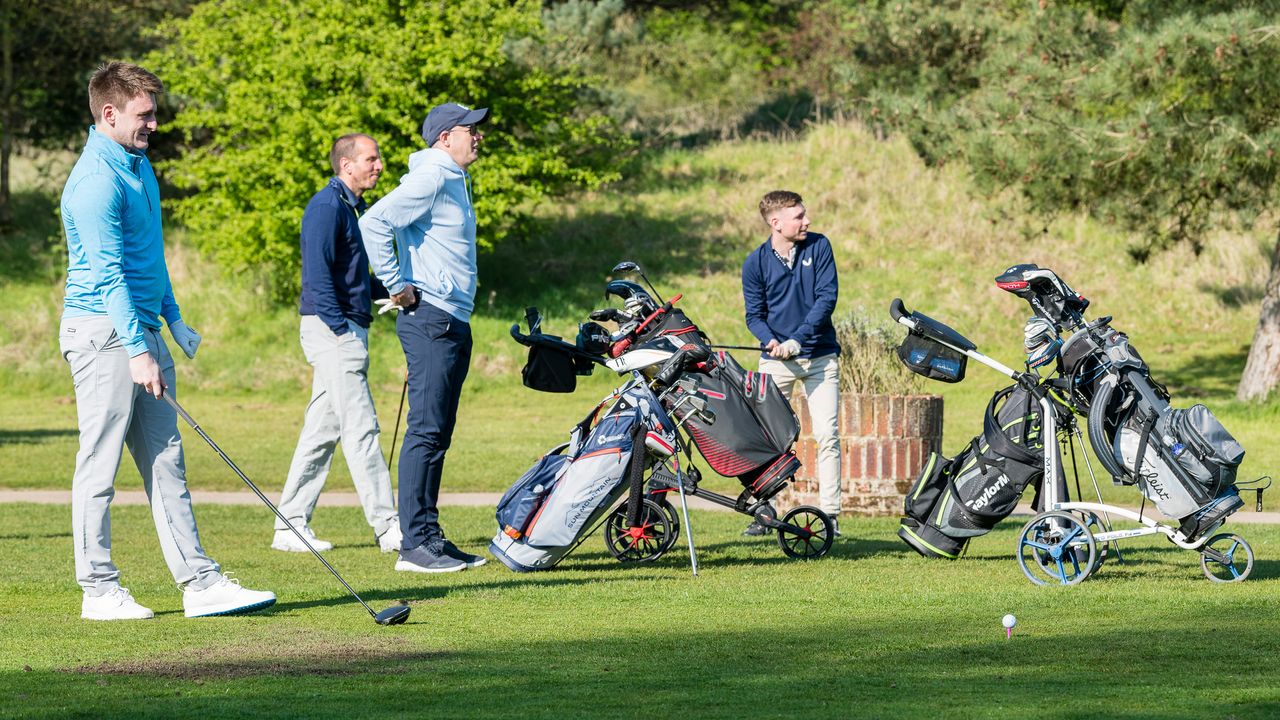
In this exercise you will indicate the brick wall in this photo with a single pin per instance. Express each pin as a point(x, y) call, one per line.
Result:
point(884, 441)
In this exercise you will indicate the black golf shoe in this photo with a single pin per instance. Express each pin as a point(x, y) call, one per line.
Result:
point(755, 529)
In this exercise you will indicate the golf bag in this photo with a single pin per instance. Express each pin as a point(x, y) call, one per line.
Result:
point(956, 499)
point(754, 429)
point(562, 497)
point(1183, 460)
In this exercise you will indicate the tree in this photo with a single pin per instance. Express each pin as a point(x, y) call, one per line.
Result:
point(1161, 116)
point(264, 86)
point(1170, 131)
point(47, 52)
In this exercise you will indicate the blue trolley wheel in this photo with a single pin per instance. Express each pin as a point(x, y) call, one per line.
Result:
point(1226, 558)
point(1057, 548)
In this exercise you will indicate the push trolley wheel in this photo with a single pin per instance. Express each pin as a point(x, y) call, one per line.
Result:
point(644, 542)
point(813, 537)
point(1226, 558)
point(1057, 548)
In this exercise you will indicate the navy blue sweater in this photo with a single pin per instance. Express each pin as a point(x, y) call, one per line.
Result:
point(335, 266)
point(793, 303)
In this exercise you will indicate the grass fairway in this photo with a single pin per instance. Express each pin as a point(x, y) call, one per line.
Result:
point(870, 631)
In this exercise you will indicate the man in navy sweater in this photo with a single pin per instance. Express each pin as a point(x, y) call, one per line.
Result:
point(789, 286)
point(335, 308)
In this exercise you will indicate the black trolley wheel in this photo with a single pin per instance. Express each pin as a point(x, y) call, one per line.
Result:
point(813, 534)
point(647, 540)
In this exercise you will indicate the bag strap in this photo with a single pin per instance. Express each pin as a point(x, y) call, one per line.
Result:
point(997, 440)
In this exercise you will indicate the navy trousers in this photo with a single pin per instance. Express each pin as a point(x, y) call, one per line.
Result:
point(437, 350)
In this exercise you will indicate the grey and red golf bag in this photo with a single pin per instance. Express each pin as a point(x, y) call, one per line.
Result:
point(561, 499)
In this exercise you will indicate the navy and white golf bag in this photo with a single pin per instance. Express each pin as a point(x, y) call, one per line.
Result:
point(567, 492)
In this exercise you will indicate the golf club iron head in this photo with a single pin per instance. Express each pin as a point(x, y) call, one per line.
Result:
point(394, 615)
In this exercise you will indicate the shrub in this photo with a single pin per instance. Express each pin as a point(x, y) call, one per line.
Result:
point(264, 86)
point(868, 357)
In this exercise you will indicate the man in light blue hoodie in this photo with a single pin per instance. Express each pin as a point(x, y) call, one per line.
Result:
point(117, 291)
point(421, 240)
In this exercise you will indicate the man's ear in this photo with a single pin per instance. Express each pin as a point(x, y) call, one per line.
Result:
point(109, 114)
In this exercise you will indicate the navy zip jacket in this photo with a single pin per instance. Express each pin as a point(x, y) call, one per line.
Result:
point(793, 303)
point(335, 266)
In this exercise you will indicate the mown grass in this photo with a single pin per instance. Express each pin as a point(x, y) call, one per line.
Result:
point(870, 631)
point(899, 229)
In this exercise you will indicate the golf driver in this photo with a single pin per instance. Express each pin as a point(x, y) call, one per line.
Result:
point(394, 615)
point(630, 267)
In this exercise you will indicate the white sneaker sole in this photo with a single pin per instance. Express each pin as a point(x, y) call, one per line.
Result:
point(107, 618)
point(403, 566)
point(230, 609)
point(294, 548)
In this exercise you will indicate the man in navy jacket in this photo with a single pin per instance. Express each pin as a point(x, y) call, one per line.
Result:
point(336, 309)
point(790, 288)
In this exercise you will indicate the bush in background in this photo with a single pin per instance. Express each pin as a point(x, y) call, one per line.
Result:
point(869, 362)
point(264, 86)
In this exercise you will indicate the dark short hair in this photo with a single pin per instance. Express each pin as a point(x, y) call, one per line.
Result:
point(778, 200)
point(116, 83)
point(345, 147)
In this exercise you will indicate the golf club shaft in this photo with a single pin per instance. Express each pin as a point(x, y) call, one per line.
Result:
point(738, 347)
point(194, 426)
point(404, 390)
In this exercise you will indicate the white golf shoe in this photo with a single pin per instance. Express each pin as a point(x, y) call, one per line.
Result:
point(285, 540)
point(389, 541)
point(225, 597)
point(115, 604)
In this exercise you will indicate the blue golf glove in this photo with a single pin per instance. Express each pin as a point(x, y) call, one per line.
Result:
point(186, 338)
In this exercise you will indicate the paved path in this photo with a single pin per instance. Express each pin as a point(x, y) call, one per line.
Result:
point(348, 499)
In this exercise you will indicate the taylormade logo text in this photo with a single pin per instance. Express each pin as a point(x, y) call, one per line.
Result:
point(985, 498)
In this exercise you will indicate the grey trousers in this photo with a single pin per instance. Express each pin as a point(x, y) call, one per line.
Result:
point(114, 412)
point(341, 409)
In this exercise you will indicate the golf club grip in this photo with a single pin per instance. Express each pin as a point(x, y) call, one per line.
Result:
point(194, 426)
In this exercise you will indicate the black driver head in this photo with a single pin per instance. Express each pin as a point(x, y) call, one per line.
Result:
point(394, 615)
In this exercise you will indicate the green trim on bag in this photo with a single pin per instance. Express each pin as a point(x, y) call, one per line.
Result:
point(921, 540)
point(924, 475)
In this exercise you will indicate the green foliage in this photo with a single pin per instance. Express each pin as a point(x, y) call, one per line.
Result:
point(264, 86)
point(1157, 116)
point(1170, 131)
point(868, 356)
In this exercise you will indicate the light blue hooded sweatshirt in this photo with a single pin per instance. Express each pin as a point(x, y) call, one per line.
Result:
point(115, 247)
point(423, 233)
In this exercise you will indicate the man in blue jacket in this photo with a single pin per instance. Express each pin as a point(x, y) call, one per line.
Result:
point(789, 286)
point(335, 306)
point(117, 290)
point(421, 240)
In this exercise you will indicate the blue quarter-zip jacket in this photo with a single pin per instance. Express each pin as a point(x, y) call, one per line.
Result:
point(115, 247)
point(335, 267)
point(793, 303)
point(423, 233)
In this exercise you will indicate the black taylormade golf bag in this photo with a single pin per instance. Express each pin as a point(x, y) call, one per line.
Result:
point(956, 499)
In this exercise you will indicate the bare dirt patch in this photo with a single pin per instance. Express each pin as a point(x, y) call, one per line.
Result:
point(312, 657)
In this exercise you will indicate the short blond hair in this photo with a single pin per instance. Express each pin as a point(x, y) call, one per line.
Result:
point(116, 83)
point(778, 200)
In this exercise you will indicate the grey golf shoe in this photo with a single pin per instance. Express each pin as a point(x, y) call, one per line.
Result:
point(471, 561)
point(421, 559)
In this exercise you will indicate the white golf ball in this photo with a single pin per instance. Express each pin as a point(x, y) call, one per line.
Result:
point(1009, 621)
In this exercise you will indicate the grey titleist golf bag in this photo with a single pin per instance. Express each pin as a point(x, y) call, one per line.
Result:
point(954, 500)
point(561, 498)
point(1183, 460)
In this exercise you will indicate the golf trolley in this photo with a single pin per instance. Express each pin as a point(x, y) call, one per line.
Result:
point(679, 394)
point(1099, 375)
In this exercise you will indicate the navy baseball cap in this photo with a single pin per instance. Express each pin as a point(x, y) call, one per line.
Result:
point(450, 115)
